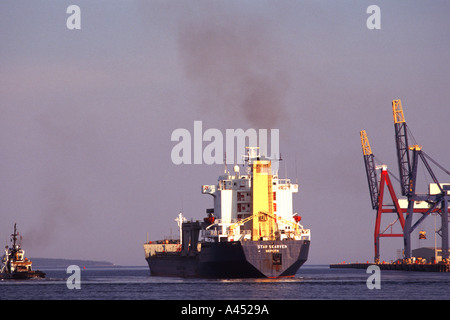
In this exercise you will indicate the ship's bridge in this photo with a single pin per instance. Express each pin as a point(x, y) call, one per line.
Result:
point(237, 199)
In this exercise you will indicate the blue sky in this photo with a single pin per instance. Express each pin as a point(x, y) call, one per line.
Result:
point(87, 115)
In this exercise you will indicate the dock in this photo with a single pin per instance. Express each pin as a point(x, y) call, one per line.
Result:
point(400, 266)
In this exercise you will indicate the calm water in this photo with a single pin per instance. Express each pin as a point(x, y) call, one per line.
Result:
point(311, 282)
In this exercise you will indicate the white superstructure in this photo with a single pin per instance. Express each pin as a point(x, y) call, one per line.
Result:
point(233, 206)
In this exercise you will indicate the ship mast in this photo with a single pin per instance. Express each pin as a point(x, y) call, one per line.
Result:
point(14, 236)
point(180, 221)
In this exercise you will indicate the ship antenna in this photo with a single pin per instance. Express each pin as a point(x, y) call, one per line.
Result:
point(285, 169)
point(14, 235)
point(225, 162)
point(180, 219)
point(181, 198)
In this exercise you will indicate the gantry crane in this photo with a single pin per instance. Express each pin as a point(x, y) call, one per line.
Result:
point(437, 202)
point(408, 158)
point(376, 190)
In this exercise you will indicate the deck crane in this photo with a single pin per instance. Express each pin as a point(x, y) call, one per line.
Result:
point(376, 190)
point(294, 225)
point(437, 201)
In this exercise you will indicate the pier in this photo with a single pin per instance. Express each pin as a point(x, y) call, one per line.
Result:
point(400, 266)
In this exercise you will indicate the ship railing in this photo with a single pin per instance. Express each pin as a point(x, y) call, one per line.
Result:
point(222, 222)
point(213, 233)
point(284, 181)
point(241, 233)
point(305, 234)
point(216, 233)
point(225, 185)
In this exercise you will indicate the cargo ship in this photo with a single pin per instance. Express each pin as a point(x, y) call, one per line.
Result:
point(14, 264)
point(251, 232)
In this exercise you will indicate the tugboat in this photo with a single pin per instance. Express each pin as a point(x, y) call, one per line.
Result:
point(251, 232)
point(14, 264)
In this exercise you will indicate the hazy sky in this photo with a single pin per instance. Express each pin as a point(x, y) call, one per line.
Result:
point(86, 116)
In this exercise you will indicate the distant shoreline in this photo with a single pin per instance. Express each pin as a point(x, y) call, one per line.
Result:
point(64, 263)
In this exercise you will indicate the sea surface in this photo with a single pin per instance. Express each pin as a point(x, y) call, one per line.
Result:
point(312, 282)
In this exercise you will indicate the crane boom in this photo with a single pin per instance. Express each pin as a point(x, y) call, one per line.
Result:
point(370, 169)
point(401, 142)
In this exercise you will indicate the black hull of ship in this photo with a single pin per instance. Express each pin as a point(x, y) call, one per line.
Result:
point(247, 259)
point(23, 275)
